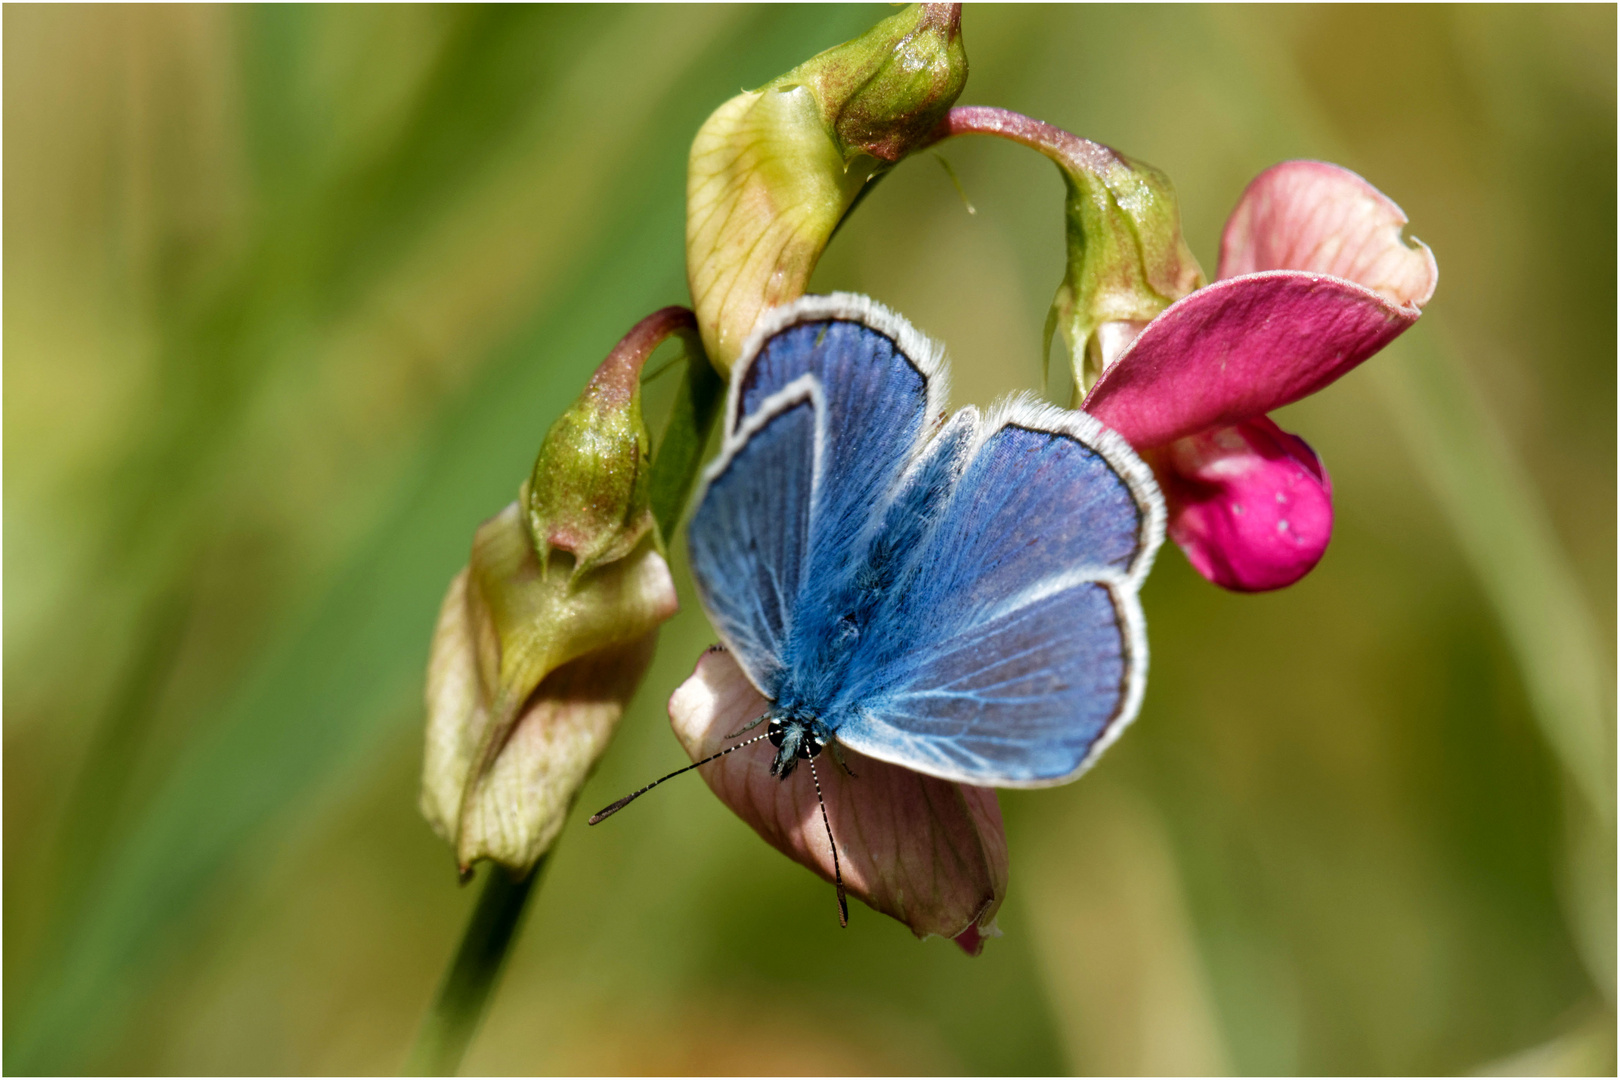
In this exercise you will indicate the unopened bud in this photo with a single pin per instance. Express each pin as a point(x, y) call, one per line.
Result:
point(590, 493)
point(773, 171)
point(884, 92)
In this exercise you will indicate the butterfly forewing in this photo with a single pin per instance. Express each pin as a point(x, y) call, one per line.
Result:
point(873, 411)
point(749, 538)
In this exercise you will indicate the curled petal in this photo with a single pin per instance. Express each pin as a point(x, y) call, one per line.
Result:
point(928, 852)
point(1239, 349)
point(513, 811)
point(1322, 218)
point(1251, 505)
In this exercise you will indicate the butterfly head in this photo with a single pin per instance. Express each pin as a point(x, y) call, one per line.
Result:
point(796, 738)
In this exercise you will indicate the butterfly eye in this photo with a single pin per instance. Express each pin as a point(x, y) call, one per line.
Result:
point(775, 732)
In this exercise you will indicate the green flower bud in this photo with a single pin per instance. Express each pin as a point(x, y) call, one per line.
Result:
point(773, 171)
point(883, 93)
point(531, 666)
point(590, 493)
point(1127, 260)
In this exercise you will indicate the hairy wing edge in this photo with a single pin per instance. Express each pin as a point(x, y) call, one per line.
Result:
point(925, 354)
point(1133, 634)
point(806, 388)
point(1022, 410)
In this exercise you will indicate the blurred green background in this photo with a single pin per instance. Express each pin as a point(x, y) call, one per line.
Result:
point(291, 296)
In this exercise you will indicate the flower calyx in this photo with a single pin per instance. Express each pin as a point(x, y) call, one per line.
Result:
point(1127, 260)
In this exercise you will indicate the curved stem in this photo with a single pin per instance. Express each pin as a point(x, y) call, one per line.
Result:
point(1063, 147)
point(458, 1007)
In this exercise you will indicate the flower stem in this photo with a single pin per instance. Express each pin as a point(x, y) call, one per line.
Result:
point(458, 1008)
point(1068, 150)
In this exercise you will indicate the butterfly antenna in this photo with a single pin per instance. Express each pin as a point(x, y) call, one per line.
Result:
point(614, 808)
point(838, 874)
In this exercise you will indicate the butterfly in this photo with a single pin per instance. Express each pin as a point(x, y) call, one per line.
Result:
point(954, 595)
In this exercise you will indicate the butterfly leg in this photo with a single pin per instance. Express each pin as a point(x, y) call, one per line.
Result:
point(838, 756)
point(750, 726)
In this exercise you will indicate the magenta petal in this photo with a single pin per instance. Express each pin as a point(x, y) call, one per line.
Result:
point(1324, 219)
point(1241, 348)
point(1251, 505)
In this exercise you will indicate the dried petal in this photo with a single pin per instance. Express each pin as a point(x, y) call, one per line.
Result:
point(766, 186)
point(521, 803)
point(528, 677)
point(1323, 218)
point(1250, 504)
point(928, 852)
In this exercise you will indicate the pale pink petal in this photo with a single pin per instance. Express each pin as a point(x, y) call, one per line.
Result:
point(928, 852)
point(1251, 505)
point(1241, 348)
point(1324, 219)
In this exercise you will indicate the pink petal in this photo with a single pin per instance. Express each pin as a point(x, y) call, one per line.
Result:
point(928, 852)
point(1251, 505)
point(1241, 348)
point(1322, 218)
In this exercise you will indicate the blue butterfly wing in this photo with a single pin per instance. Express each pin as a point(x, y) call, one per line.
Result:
point(1011, 648)
point(879, 385)
point(749, 536)
point(987, 577)
point(863, 401)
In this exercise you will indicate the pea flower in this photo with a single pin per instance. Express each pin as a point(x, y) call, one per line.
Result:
point(546, 633)
point(1314, 278)
point(929, 852)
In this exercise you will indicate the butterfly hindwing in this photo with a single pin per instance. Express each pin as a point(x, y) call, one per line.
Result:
point(1014, 645)
point(1019, 699)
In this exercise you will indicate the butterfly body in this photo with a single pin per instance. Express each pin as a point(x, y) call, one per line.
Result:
point(954, 595)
